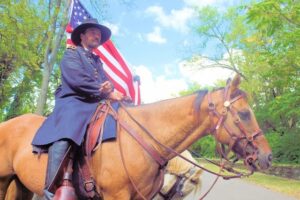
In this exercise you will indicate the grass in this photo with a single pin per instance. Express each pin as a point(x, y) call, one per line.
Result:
point(286, 186)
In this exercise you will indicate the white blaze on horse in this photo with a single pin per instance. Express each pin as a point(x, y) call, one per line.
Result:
point(122, 168)
point(181, 178)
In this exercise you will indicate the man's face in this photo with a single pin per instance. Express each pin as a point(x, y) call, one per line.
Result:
point(91, 38)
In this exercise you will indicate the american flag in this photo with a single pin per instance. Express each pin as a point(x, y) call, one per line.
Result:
point(113, 63)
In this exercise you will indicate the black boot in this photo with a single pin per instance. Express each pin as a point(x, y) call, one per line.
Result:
point(56, 154)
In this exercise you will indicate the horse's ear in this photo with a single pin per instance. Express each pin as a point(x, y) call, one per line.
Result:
point(235, 83)
point(236, 80)
point(228, 81)
point(196, 177)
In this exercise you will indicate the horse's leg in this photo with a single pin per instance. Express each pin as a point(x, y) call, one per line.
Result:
point(17, 191)
point(4, 183)
point(11, 192)
point(22, 192)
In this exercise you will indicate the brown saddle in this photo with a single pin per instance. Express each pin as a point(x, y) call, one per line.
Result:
point(95, 129)
point(81, 175)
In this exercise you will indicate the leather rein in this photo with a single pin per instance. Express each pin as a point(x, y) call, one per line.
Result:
point(228, 107)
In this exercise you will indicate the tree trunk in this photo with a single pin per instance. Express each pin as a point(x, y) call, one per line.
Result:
point(51, 54)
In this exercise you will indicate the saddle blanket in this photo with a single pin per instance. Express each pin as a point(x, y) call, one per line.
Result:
point(110, 125)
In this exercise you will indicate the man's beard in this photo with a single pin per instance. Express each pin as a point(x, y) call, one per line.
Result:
point(94, 44)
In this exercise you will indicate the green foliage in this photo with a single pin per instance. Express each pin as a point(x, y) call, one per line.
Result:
point(192, 88)
point(27, 31)
point(275, 48)
point(22, 28)
point(223, 30)
point(205, 147)
point(22, 98)
point(262, 40)
point(21, 35)
point(285, 148)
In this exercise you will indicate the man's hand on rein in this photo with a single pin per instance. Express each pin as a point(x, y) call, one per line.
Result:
point(106, 87)
point(118, 96)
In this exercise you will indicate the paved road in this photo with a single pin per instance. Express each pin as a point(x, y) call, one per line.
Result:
point(235, 189)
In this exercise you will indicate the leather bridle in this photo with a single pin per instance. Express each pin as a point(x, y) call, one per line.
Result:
point(228, 107)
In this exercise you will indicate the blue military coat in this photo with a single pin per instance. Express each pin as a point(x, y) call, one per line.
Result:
point(75, 100)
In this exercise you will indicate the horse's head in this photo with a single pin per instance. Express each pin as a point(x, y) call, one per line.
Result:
point(179, 186)
point(235, 125)
point(192, 181)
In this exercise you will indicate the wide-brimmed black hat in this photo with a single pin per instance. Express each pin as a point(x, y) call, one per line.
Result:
point(89, 23)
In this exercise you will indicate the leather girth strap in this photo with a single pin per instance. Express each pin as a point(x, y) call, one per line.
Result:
point(88, 180)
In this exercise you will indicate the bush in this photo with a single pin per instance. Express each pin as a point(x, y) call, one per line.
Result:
point(286, 148)
point(205, 147)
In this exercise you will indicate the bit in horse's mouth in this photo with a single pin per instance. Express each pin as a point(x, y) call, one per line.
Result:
point(252, 164)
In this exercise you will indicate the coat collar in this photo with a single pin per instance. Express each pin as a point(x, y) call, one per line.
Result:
point(88, 53)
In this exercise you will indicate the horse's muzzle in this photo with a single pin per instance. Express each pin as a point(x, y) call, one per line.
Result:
point(265, 161)
point(258, 161)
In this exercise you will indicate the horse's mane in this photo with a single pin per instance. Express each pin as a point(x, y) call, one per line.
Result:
point(179, 166)
point(200, 95)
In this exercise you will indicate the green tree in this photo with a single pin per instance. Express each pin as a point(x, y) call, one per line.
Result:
point(223, 31)
point(266, 36)
point(21, 94)
point(58, 17)
point(21, 45)
point(275, 48)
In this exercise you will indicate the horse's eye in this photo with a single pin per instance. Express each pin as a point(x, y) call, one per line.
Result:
point(194, 181)
point(244, 115)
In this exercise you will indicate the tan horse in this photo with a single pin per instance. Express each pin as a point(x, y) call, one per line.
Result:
point(181, 178)
point(180, 174)
point(177, 123)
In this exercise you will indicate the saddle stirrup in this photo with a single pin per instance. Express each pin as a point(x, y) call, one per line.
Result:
point(66, 191)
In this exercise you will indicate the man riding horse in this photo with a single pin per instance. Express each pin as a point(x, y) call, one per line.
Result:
point(83, 85)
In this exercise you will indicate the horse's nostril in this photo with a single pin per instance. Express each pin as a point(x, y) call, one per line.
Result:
point(270, 157)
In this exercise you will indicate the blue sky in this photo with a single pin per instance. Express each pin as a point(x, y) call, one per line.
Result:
point(156, 37)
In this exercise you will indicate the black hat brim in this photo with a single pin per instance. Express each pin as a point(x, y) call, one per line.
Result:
point(105, 32)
